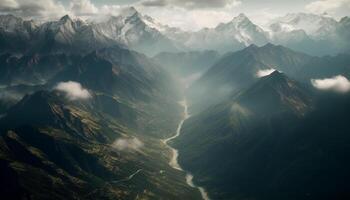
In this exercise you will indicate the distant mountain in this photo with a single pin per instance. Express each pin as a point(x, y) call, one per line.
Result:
point(240, 32)
point(136, 31)
point(311, 33)
point(316, 26)
point(239, 70)
point(129, 29)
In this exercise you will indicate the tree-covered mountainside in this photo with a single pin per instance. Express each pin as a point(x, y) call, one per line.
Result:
point(56, 145)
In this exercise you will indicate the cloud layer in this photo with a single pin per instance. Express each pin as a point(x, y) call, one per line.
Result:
point(327, 6)
point(73, 90)
point(338, 83)
point(127, 144)
point(192, 4)
point(33, 8)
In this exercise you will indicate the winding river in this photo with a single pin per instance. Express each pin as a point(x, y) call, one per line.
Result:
point(174, 159)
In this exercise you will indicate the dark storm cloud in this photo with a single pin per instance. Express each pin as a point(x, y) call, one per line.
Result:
point(190, 4)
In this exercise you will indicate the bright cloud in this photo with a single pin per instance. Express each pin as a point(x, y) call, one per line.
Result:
point(264, 72)
point(327, 5)
point(127, 144)
point(338, 83)
point(83, 8)
point(73, 90)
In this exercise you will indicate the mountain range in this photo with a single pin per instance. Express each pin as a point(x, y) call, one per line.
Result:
point(309, 33)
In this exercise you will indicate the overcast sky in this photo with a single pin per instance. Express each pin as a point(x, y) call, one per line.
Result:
point(187, 14)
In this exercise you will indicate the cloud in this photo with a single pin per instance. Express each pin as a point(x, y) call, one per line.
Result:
point(154, 3)
point(73, 90)
point(127, 144)
point(192, 4)
point(83, 8)
point(264, 72)
point(337, 83)
point(327, 5)
point(33, 8)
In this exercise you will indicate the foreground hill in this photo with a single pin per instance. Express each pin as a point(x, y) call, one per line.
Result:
point(104, 143)
point(271, 141)
point(53, 147)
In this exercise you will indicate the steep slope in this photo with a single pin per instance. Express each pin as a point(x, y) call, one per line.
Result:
point(15, 33)
point(32, 69)
point(132, 78)
point(72, 147)
point(238, 70)
point(269, 142)
point(67, 35)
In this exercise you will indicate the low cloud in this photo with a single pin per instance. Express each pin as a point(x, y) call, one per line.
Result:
point(127, 144)
point(73, 90)
point(83, 8)
point(264, 72)
point(338, 83)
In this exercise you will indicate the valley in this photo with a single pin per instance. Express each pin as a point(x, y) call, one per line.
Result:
point(114, 104)
point(174, 159)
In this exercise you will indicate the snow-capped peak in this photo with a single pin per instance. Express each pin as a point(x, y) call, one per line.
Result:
point(128, 12)
point(65, 18)
point(241, 18)
point(312, 24)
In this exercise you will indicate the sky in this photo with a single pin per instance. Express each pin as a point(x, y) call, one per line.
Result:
point(186, 14)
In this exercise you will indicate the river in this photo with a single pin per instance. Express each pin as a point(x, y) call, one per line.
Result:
point(175, 154)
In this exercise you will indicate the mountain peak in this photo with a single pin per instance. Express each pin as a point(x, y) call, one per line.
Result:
point(252, 46)
point(241, 18)
point(276, 76)
point(274, 93)
point(65, 18)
